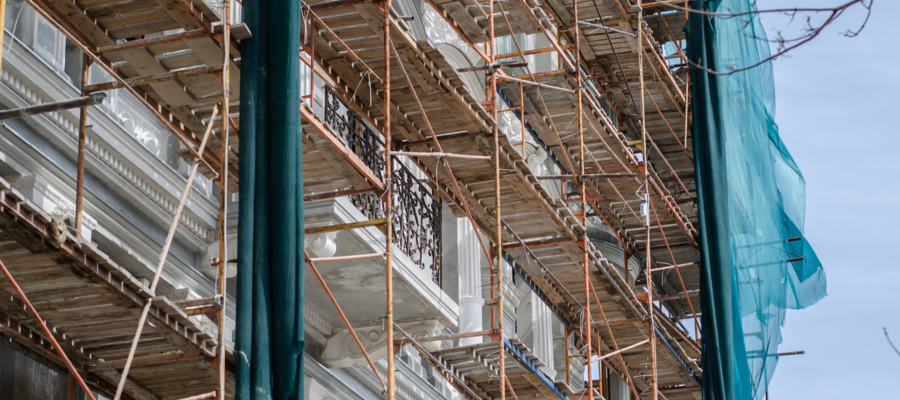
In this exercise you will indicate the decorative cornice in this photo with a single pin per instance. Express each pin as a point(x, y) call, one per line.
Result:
point(400, 391)
point(103, 154)
point(319, 373)
point(341, 350)
point(317, 323)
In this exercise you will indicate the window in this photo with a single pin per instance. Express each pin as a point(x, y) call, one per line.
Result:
point(49, 43)
point(37, 33)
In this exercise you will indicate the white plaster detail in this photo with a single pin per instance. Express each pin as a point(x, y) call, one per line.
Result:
point(511, 298)
point(103, 154)
point(576, 364)
point(400, 392)
point(212, 328)
point(319, 324)
point(315, 391)
point(341, 350)
point(542, 331)
point(469, 267)
point(181, 295)
point(439, 31)
point(322, 244)
point(53, 202)
point(535, 157)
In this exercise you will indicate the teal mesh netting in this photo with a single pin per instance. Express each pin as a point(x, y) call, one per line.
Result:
point(752, 205)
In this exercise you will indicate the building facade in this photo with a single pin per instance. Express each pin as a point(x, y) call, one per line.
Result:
point(135, 175)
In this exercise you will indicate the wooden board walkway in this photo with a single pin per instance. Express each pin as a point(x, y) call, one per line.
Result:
point(93, 306)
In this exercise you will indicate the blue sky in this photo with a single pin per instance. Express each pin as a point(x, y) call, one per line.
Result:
point(838, 110)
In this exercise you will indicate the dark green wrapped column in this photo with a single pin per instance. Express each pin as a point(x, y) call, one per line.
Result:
point(715, 277)
point(269, 333)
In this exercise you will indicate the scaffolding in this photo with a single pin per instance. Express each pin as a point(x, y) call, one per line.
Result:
point(600, 71)
point(451, 178)
point(202, 35)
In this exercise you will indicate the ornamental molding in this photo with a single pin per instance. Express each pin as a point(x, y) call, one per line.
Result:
point(61, 207)
point(317, 323)
point(341, 350)
point(30, 95)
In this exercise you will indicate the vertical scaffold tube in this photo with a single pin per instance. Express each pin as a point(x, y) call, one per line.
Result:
point(583, 192)
point(82, 141)
point(640, 33)
point(312, 66)
point(223, 204)
point(498, 265)
point(388, 203)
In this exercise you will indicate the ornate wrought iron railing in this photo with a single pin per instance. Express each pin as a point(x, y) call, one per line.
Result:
point(417, 220)
point(366, 143)
point(416, 226)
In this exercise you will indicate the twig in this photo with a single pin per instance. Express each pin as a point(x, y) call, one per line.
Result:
point(889, 341)
point(784, 46)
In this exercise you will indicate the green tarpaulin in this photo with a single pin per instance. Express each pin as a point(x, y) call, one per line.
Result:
point(269, 327)
point(756, 261)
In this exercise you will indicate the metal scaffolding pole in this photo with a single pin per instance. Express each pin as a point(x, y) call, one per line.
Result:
point(82, 141)
point(646, 210)
point(334, 302)
point(615, 344)
point(498, 265)
point(176, 220)
point(582, 150)
point(223, 203)
point(388, 202)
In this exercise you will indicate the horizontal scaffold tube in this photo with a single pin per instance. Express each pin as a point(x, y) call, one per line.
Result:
point(624, 349)
point(146, 80)
point(542, 85)
point(447, 155)
point(86, 101)
point(202, 396)
point(586, 176)
point(345, 258)
point(345, 227)
point(136, 44)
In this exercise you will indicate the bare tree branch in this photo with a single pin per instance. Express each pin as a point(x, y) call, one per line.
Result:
point(889, 341)
point(785, 45)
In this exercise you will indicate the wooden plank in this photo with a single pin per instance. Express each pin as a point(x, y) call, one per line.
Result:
point(145, 64)
point(147, 361)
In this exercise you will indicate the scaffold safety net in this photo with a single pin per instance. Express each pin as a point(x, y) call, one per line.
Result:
point(757, 262)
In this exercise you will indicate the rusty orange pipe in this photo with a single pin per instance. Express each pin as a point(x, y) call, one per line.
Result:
point(344, 317)
point(37, 318)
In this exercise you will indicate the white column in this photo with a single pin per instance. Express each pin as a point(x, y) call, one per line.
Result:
point(470, 300)
point(543, 334)
point(512, 300)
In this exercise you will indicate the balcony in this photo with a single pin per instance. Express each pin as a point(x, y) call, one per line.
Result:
point(359, 286)
point(339, 152)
